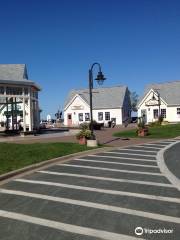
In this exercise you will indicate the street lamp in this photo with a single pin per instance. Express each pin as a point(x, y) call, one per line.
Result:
point(159, 101)
point(100, 79)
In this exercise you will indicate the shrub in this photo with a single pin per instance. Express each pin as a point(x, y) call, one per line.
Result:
point(84, 133)
point(84, 126)
point(96, 125)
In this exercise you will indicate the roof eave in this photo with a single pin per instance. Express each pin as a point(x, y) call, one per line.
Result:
point(21, 82)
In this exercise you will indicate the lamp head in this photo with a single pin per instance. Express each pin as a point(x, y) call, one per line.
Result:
point(100, 78)
point(153, 97)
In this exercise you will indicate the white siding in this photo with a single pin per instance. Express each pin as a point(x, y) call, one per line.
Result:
point(171, 112)
point(78, 105)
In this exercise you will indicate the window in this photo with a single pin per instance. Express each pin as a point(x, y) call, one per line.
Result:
point(178, 111)
point(87, 117)
point(100, 116)
point(14, 91)
point(107, 116)
point(25, 91)
point(80, 117)
point(35, 94)
point(155, 113)
point(1, 90)
point(163, 113)
point(69, 116)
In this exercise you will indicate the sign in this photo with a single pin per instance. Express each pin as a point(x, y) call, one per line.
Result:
point(152, 103)
point(77, 107)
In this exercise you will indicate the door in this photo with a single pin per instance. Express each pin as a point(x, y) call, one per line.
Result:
point(144, 115)
point(69, 119)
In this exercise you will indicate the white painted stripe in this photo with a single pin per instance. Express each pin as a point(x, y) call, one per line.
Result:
point(112, 192)
point(108, 179)
point(94, 205)
point(110, 162)
point(155, 144)
point(118, 157)
point(139, 154)
point(66, 227)
point(109, 169)
point(143, 146)
point(137, 150)
point(169, 141)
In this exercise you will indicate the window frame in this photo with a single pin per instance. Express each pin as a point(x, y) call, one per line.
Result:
point(100, 116)
point(107, 116)
point(163, 112)
point(87, 118)
point(81, 117)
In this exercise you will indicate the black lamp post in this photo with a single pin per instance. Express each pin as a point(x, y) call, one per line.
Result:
point(159, 101)
point(100, 79)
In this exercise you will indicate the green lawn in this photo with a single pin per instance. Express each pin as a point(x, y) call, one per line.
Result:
point(15, 156)
point(167, 131)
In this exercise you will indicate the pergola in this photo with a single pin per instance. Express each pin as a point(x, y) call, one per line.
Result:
point(19, 105)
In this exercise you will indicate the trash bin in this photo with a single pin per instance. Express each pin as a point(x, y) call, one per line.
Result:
point(109, 124)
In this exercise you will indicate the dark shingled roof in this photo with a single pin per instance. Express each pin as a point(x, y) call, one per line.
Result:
point(15, 74)
point(107, 97)
point(169, 91)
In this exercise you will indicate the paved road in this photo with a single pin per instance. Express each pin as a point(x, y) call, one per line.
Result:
point(172, 159)
point(102, 196)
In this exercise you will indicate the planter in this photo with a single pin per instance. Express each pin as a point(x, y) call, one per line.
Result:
point(143, 132)
point(92, 143)
point(82, 141)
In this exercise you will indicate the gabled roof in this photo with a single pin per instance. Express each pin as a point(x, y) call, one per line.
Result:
point(15, 74)
point(107, 97)
point(169, 92)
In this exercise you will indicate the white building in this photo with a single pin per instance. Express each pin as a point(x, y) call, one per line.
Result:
point(161, 100)
point(19, 106)
point(111, 103)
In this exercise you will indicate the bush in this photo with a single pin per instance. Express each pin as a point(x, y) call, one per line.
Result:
point(84, 126)
point(155, 124)
point(84, 133)
point(96, 125)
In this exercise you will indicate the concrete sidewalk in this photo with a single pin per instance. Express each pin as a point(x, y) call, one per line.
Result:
point(104, 136)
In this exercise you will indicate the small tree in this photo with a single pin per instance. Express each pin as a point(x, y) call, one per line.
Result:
point(134, 100)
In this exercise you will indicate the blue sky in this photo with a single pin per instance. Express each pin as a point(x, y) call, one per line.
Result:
point(136, 42)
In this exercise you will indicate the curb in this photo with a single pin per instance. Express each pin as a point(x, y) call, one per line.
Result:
point(164, 169)
point(37, 166)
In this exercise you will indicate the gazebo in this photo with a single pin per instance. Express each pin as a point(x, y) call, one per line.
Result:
point(19, 104)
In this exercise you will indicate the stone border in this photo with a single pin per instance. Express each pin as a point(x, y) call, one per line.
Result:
point(164, 169)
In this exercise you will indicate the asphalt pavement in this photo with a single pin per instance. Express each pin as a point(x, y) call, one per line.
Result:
point(116, 195)
point(172, 159)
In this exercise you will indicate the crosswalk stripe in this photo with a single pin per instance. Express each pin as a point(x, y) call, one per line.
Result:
point(109, 169)
point(66, 227)
point(92, 189)
point(169, 141)
point(143, 155)
point(144, 146)
point(94, 205)
point(155, 144)
point(136, 150)
point(118, 157)
point(108, 179)
point(111, 162)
